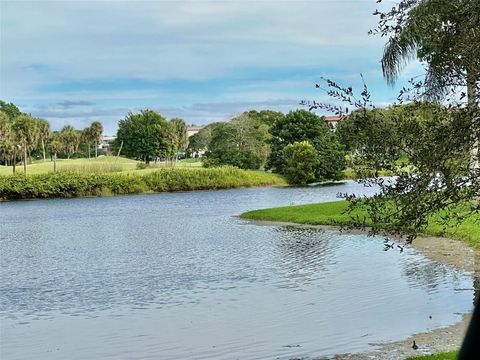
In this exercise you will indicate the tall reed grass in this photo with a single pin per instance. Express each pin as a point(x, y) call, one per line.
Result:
point(73, 183)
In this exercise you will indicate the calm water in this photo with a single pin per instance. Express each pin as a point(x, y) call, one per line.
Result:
point(179, 276)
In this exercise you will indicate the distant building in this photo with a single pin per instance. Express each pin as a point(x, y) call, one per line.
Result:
point(192, 130)
point(107, 142)
point(333, 121)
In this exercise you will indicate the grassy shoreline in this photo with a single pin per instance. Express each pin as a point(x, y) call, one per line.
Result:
point(72, 184)
point(332, 213)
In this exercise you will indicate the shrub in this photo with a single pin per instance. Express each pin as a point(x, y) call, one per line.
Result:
point(72, 184)
point(300, 163)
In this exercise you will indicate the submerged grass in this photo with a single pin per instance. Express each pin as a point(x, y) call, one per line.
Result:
point(73, 184)
point(333, 213)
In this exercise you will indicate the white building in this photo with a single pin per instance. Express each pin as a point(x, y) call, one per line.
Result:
point(192, 130)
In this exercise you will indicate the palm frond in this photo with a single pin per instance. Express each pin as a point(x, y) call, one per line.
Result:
point(398, 51)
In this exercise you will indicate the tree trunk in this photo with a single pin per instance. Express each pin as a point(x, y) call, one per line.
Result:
point(14, 163)
point(89, 149)
point(25, 158)
point(43, 148)
point(55, 162)
point(96, 148)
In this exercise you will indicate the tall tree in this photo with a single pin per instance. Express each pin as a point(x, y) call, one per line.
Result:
point(27, 132)
point(7, 142)
point(70, 139)
point(87, 138)
point(200, 141)
point(242, 142)
point(44, 133)
point(96, 131)
point(144, 135)
point(10, 109)
point(445, 36)
point(302, 125)
point(442, 147)
point(178, 135)
point(55, 146)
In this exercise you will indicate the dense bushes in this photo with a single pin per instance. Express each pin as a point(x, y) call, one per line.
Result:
point(302, 125)
point(300, 162)
point(77, 184)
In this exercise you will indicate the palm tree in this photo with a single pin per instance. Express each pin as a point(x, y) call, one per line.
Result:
point(96, 130)
point(44, 131)
point(70, 139)
point(6, 137)
point(55, 147)
point(27, 134)
point(441, 33)
point(87, 138)
point(445, 35)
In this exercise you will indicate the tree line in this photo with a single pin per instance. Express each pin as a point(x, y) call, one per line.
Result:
point(299, 145)
point(22, 136)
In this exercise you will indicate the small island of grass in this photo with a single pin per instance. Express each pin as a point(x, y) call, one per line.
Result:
point(334, 213)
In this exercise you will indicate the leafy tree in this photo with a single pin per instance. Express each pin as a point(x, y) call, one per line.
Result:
point(267, 117)
point(242, 142)
point(178, 136)
point(302, 125)
point(301, 163)
point(200, 141)
point(331, 157)
point(70, 139)
point(10, 109)
point(8, 141)
point(440, 33)
point(372, 131)
point(144, 135)
point(27, 133)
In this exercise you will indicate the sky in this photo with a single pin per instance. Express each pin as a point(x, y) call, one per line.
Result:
point(74, 62)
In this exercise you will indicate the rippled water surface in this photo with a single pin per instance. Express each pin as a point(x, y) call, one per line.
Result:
point(179, 276)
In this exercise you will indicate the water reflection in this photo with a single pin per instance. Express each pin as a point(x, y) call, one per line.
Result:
point(179, 276)
point(303, 254)
point(428, 275)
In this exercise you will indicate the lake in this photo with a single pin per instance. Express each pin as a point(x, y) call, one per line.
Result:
point(180, 276)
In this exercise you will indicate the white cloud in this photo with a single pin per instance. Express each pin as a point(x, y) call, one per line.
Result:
point(56, 52)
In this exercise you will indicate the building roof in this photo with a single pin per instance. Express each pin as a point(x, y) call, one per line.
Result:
point(195, 128)
point(334, 118)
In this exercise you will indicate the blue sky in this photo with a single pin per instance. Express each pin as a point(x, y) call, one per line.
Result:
point(73, 62)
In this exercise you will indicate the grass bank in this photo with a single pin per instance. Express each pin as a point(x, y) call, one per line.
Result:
point(73, 184)
point(452, 355)
point(332, 213)
point(101, 164)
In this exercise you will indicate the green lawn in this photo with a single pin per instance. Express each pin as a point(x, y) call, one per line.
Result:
point(84, 165)
point(332, 213)
point(452, 355)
